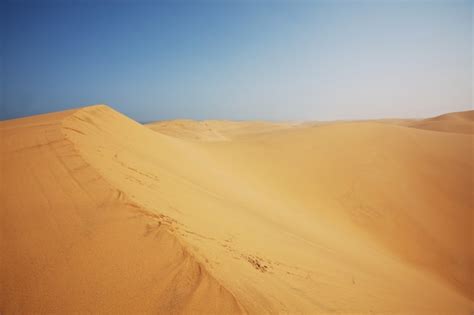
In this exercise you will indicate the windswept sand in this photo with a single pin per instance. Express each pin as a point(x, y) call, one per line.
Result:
point(102, 214)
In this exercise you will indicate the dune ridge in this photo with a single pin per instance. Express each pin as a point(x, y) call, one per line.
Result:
point(459, 122)
point(348, 218)
point(75, 243)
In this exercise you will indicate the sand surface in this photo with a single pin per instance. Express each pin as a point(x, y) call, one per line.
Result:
point(101, 214)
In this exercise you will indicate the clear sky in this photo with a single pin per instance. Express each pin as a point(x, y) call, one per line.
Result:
point(275, 60)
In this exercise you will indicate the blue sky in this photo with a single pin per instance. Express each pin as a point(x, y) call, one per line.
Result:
point(275, 60)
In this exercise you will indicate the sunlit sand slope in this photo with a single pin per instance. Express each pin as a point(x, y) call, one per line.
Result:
point(71, 242)
point(101, 213)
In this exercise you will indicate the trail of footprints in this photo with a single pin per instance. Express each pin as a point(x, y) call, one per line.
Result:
point(258, 262)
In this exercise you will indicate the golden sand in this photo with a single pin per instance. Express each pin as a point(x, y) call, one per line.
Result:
point(102, 214)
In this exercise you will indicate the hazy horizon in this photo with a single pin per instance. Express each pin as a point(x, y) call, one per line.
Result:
point(288, 61)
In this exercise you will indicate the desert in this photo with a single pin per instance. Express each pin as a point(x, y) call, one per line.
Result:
point(102, 214)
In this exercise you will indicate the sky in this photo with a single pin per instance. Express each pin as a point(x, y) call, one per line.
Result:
point(272, 60)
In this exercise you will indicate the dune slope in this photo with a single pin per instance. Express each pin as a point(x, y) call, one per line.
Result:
point(71, 242)
point(460, 122)
point(101, 213)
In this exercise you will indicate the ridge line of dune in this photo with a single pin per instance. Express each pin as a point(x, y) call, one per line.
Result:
point(140, 208)
point(136, 134)
point(102, 214)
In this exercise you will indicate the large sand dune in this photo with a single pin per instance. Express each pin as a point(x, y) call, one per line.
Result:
point(102, 214)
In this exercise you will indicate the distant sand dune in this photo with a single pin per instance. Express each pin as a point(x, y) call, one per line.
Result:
point(215, 130)
point(461, 122)
point(102, 214)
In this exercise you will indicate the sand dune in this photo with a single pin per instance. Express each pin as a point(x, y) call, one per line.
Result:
point(215, 130)
point(460, 122)
point(102, 214)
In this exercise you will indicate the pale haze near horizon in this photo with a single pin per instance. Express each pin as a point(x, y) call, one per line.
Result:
point(238, 60)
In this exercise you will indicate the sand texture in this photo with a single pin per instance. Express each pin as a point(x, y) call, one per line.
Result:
point(101, 214)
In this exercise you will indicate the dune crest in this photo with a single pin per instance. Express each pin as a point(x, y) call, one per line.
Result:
point(104, 214)
point(460, 122)
point(71, 242)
